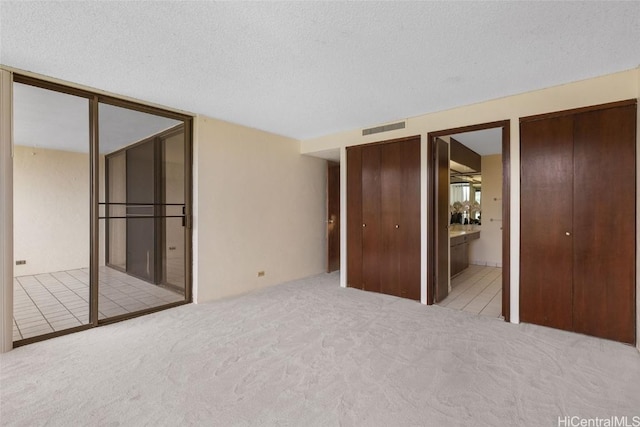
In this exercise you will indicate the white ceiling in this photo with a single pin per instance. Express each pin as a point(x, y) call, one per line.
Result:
point(305, 69)
point(483, 142)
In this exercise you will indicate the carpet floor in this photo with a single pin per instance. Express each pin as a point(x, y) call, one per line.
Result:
point(308, 353)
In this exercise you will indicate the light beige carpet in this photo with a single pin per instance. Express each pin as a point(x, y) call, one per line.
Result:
point(309, 353)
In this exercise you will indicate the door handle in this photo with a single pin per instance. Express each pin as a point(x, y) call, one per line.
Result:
point(364, 225)
point(331, 221)
point(397, 226)
point(567, 233)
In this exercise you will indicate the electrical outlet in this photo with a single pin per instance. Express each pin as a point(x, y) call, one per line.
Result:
point(260, 273)
point(21, 262)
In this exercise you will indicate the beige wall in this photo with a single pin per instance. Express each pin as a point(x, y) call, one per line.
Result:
point(638, 220)
point(259, 206)
point(6, 213)
point(603, 89)
point(51, 210)
point(487, 250)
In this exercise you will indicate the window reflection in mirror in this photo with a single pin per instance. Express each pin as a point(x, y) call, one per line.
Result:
point(465, 198)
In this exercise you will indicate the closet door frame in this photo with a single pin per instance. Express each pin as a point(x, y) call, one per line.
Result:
point(506, 207)
point(354, 210)
point(546, 212)
point(575, 112)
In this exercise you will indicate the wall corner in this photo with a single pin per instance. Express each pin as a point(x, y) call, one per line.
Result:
point(6, 212)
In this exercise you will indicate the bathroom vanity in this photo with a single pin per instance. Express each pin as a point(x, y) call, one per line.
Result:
point(459, 241)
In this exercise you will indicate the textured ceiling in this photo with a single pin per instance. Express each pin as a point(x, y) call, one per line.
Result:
point(483, 142)
point(305, 69)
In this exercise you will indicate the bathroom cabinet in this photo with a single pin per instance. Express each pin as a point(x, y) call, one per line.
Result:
point(459, 258)
point(577, 215)
point(383, 217)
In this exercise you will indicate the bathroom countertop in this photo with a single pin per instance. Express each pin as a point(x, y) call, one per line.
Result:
point(462, 233)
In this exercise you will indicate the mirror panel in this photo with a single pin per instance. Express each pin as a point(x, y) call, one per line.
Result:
point(142, 211)
point(51, 211)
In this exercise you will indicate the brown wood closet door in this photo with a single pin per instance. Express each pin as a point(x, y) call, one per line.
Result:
point(372, 261)
point(400, 219)
point(604, 223)
point(383, 218)
point(354, 217)
point(546, 215)
point(333, 216)
point(391, 217)
point(409, 232)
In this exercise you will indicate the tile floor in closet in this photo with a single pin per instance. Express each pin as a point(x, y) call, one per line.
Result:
point(478, 289)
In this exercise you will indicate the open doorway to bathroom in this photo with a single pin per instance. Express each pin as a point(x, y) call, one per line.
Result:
point(469, 220)
point(102, 205)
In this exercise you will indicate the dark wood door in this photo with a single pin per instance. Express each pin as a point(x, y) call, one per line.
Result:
point(354, 217)
point(399, 261)
point(383, 218)
point(333, 217)
point(442, 220)
point(546, 215)
point(141, 231)
point(391, 215)
point(604, 230)
point(371, 221)
point(578, 213)
point(409, 222)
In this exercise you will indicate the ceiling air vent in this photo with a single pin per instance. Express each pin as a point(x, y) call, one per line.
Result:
point(385, 128)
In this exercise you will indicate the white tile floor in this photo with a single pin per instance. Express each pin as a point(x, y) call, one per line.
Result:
point(478, 290)
point(51, 302)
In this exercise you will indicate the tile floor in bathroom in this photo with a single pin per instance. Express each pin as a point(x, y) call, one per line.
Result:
point(478, 289)
point(51, 302)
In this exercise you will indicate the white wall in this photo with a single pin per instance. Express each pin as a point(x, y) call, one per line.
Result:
point(260, 206)
point(603, 89)
point(487, 250)
point(51, 210)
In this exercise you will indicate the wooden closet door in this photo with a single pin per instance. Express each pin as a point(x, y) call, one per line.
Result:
point(546, 217)
point(354, 217)
point(373, 261)
point(383, 218)
point(604, 223)
point(391, 216)
point(400, 219)
point(409, 232)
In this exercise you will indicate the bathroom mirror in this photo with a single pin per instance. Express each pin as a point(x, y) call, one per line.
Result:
point(465, 193)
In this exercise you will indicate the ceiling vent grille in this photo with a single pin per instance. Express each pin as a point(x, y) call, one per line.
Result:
point(384, 128)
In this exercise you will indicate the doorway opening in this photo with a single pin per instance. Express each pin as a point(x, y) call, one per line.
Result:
point(333, 216)
point(468, 223)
